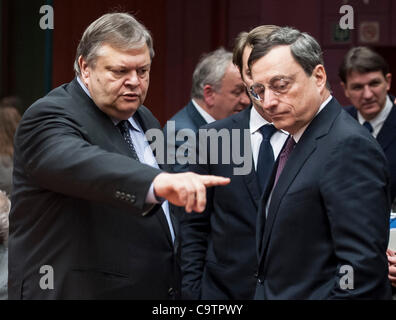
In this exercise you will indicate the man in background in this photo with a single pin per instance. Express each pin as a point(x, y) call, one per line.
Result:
point(366, 80)
point(219, 259)
point(217, 92)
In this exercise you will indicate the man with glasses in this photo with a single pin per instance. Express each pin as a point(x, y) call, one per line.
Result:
point(218, 257)
point(324, 216)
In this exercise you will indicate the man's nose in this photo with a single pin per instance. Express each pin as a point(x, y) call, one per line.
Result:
point(270, 99)
point(367, 92)
point(244, 99)
point(132, 79)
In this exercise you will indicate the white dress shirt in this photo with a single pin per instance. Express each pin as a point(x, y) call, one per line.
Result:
point(207, 117)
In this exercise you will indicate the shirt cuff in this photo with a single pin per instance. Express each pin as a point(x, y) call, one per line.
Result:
point(151, 197)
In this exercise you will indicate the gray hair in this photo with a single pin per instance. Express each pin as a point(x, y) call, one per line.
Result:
point(304, 48)
point(120, 30)
point(210, 70)
point(5, 205)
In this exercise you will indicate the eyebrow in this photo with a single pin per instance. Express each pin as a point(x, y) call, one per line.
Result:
point(122, 66)
point(362, 84)
point(281, 77)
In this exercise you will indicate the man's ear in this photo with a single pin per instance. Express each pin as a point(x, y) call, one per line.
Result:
point(209, 95)
point(388, 79)
point(320, 76)
point(84, 70)
point(344, 86)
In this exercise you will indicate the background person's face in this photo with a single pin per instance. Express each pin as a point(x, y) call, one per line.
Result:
point(367, 92)
point(300, 99)
point(247, 79)
point(232, 96)
point(119, 79)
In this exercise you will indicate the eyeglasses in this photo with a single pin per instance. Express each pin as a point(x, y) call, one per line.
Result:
point(278, 87)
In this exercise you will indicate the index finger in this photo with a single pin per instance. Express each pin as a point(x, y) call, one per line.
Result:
point(210, 180)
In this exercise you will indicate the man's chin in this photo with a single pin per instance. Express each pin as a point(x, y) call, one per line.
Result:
point(370, 110)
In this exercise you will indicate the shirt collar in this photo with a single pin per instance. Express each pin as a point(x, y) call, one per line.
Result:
point(207, 117)
point(83, 86)
point(257, 121)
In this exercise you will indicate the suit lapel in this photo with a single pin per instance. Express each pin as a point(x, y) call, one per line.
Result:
point(116, 141)
point(109, 131)
point(387, 133)
point(307, 144)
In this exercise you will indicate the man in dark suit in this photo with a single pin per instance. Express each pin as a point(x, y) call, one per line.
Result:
point(218, 247)
point(366, 80)
point(87, 220)
point(217, 92)
point(323, 223)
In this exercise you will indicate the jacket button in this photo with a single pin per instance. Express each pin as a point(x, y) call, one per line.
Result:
point(171, 291)
point(256, 275)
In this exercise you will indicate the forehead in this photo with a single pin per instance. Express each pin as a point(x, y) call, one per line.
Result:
point(363, 78)
point(277, 62)
point(110, 55)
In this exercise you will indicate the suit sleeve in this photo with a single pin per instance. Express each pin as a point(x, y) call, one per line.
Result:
point(355, 185)
point(56, 154)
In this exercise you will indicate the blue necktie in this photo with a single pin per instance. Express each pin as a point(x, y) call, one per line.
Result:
point(123, 126)
point(368, 126)
point(265, 158)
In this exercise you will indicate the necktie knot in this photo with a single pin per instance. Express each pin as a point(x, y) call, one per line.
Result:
point(368, 126)
point(288, 148)
point(267, 131)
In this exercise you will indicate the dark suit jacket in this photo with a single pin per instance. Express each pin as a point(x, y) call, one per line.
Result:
point(187, 118)
point(78, 205)
point(218, 246)
point(330, 208)
point(387, 139)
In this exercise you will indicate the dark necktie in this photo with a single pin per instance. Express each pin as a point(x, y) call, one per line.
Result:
point(284, 155)
point(265, 158)
point(123, 126)
point(368, 126)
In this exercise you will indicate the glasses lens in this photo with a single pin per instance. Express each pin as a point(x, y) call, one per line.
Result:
point(257, 91)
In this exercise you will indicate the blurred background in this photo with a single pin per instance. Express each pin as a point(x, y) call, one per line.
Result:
point(33, 60)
